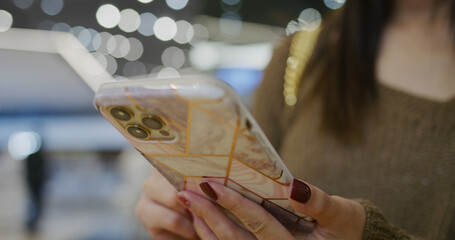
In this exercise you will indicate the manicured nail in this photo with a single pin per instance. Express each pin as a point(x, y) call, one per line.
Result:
point(182, 200)
point(208, 190)
point(300, 191)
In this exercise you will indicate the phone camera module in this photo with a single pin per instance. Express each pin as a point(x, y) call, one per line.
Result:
point(137, 132)
point(120, 114)
point(248, 124)
point(164, 133)
point(152, 122)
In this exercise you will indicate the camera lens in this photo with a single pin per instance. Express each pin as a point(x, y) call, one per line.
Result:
point(248, 124)
point(137, 131)
point(152, 122)
point(164, 132)
point(120, 114)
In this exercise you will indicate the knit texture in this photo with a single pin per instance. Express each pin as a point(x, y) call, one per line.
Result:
point(377, 227)
point(404, 164)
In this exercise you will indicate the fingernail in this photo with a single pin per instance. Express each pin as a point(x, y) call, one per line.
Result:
point(300, 191)
point(182, 200)
point(208, 190)
point(188, 212)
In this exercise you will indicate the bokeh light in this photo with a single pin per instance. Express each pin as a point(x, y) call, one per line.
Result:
point(136, 49)
point(82, 34)
point(100, 58)
point(93, 33)
point(97, 41)
point(145, 1)
point(61, 27)
point(111, 44)
point(177, 4)
point(111, 66)
point(52, 7)
point(173, 57)
point(334, 4)
point(23, 4)
point(85, 37)
point(185, 32)
point(6, 20)
point(165, 28)
point(204, 56)
point(201, 34)
point(108, 15)
point(123, 49)
point(230, 23)
point(168, 72)
point(310, 19)
point(100, 42)
point(293, 27)
point(129, 20)
point(23, 144)
point(134, 69)
point(147, 22)
point(118, 46)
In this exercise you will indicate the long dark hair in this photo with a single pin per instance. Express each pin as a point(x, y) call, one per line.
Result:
point(343, 63)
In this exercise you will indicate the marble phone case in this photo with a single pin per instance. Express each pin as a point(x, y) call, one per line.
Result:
point(206, 134)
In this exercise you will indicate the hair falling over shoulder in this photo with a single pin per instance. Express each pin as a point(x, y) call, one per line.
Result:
point(343, 64)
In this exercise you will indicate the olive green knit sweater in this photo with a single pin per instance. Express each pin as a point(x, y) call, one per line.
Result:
point(404, 165)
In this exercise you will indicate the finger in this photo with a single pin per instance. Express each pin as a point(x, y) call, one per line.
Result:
point(202, 229)
point(158, 189)
point(172, 221)
point(312, 201)
point(331, 212)
point(261, 223)
point(221, 225)
point(162, 234)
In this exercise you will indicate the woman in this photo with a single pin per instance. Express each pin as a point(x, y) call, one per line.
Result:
point(373, 117)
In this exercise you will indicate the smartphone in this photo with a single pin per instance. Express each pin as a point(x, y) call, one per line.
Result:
point(196, 128)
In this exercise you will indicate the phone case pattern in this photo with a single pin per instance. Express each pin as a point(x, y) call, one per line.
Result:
point(210, 135)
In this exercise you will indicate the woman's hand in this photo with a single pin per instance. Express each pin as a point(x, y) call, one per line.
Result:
point(336, 217)
point(160, 213)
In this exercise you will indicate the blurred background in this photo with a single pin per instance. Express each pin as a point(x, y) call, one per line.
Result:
point(65, 173)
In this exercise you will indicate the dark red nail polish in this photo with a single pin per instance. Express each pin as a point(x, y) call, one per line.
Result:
point(208, 190)
point(182, 200)
point(300, 191)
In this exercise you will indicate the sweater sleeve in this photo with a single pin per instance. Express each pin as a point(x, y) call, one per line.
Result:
point(268, 104)
point(377, 227)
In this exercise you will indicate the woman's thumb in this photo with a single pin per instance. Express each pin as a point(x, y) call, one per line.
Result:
point(312, 202)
